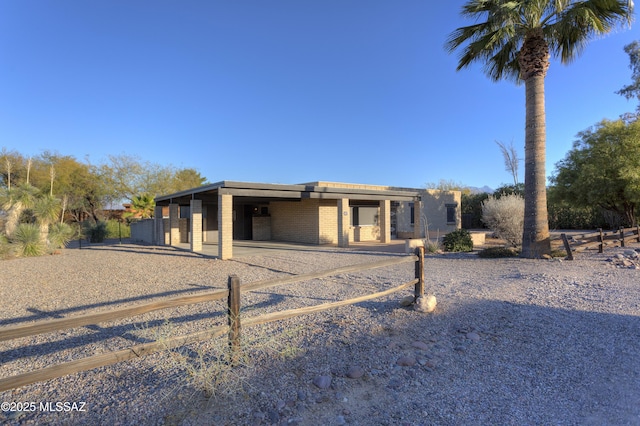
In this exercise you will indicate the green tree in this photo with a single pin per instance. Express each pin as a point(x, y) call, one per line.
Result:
point(186, 179)
point(633, 90)
point(515, 40)
point(603, 169)
point(128, 177)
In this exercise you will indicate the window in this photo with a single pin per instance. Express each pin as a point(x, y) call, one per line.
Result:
point(451, 213)
point(413, 213)
point(364, 216)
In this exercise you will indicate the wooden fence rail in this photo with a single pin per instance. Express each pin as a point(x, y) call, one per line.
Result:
point(233, 328)
point(598, 239)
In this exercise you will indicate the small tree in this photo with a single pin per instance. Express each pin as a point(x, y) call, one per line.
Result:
point(505, 217)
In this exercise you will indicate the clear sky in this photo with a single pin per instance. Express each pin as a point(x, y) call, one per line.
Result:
point(281, 91)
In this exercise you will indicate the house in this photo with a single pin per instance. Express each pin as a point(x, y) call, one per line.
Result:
point(312, 213)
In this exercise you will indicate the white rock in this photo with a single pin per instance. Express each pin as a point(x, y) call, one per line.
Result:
point(425, 304)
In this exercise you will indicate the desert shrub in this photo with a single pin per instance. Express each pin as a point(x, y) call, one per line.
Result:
point(60, 234)
point(5, 247)
point(505, 217)
point(498, 252)
point(27, 240)
point(113, 231)
point(431, 246)
point(459, 240)
point(96, 233)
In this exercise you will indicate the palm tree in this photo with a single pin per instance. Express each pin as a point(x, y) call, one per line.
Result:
point(515, 40)
point(142, 206)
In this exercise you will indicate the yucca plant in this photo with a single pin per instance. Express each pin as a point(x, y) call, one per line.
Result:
point(27, 240)
point(60, 234)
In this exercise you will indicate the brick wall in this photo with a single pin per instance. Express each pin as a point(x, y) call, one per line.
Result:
point(309, 221)
point(328, 222)
point(295, 221)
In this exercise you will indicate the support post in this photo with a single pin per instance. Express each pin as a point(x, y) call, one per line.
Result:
point(343, 222)
point(385, 221)
point(567, 247)
point(233, 314)
point(196, 225)
point(622, 236)
point(158, 226)
point(174, 224)
point(225, 226)
point(601, 239)
point(638, 232)
point(417, 220)
point(419, 290)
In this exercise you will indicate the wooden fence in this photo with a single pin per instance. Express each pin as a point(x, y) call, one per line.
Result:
point(600, 239)
point(233, 327)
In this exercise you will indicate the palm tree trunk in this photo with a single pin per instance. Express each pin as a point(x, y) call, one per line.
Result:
point(535, 238)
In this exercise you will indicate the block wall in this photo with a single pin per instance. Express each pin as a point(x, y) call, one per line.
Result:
point(295, 221)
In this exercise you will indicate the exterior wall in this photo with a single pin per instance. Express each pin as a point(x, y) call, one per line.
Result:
point(295, 221)
point(143, 230)
point(328, 222)
point(261, 228)
point(434, 212)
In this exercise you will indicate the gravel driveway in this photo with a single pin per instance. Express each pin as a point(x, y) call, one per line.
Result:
point(512, 341)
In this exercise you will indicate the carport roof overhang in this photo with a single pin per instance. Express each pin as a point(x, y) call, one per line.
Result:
point(270, 192)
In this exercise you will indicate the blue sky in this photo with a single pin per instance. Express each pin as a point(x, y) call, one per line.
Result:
point(281, 91)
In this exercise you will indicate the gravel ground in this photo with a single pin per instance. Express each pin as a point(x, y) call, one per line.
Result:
point(512, 341)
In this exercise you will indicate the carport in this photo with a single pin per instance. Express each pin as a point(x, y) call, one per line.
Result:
point(313, 213)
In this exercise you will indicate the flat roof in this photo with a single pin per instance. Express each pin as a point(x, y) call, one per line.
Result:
point(316, 190)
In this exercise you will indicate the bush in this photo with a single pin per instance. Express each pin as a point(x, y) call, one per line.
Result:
point(459, 240)
point(96, 233)
point(498, 252)
point(505, 217)
point(60, 234)
point(115, 230)
point(27, 238)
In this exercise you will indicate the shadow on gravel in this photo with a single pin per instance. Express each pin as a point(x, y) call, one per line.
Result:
point(485, 362)
point(39, 314)
point(127, 331)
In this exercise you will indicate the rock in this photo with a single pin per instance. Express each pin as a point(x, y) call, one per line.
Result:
point(302, 395)
point(420, 345)
point(355, 372)
point(473, 336)
point(323, 382)
point(406, 361)
point(407, 301)
point(547, 257)
point(425, 304)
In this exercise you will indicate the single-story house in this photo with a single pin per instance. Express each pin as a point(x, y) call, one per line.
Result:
point(313, 213)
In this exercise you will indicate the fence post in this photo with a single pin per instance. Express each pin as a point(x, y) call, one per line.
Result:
point(234, 318)
point(638, 232)
point(419, 290)
point(601, 239)
point(622, 236)
point(567, 247)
